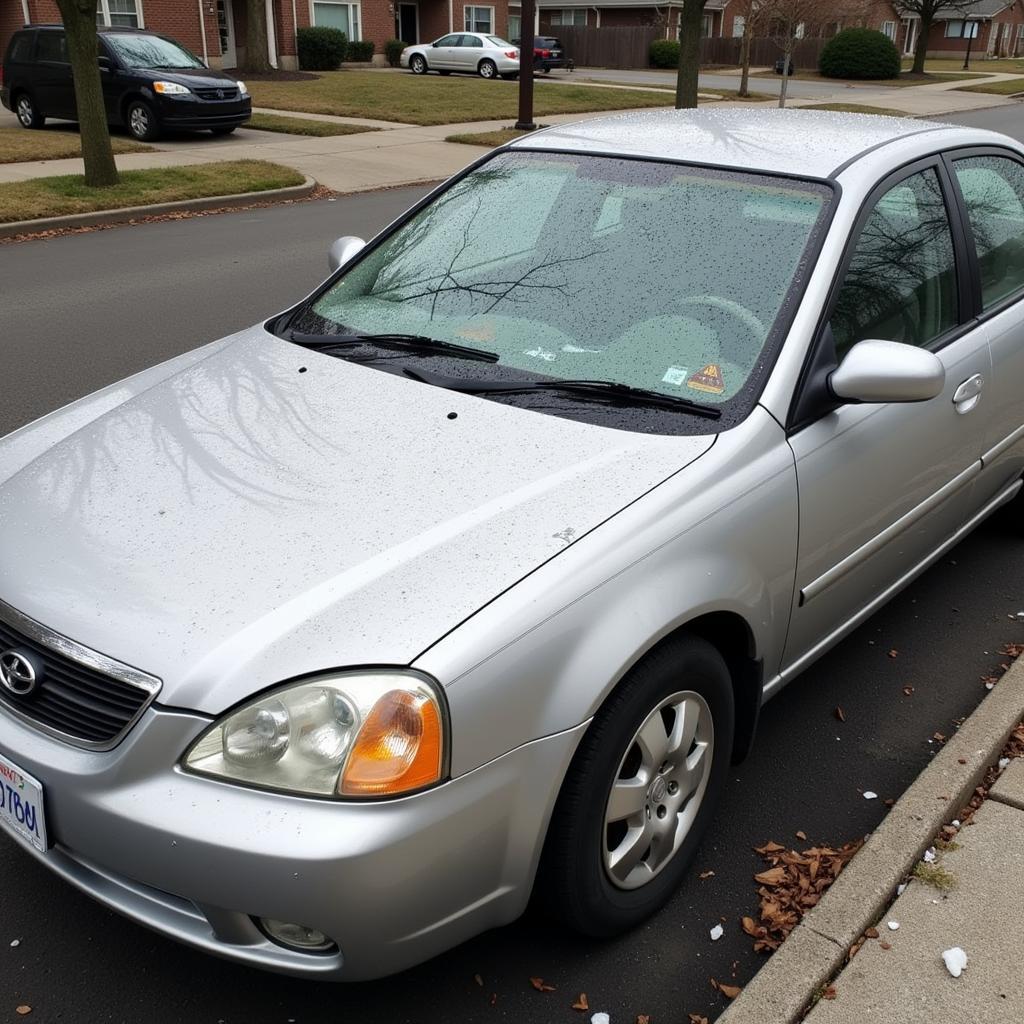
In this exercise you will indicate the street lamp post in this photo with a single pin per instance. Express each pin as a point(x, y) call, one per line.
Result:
point(969, 26)
point(525, 122)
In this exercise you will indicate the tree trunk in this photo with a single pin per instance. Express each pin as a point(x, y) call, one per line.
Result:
point(922, 45)
point(256, 57)
point(745, 58)
point(787, 58)
point(690, 21)
point(79, 18)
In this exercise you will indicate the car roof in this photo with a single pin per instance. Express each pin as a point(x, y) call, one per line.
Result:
point(799, 143)
point(102, 29)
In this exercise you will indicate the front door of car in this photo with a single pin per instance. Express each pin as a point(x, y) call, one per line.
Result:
point(883, 485)
point(111, 82)
point(442, 53)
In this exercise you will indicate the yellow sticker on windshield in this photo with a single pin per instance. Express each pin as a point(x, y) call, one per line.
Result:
point(708, 379)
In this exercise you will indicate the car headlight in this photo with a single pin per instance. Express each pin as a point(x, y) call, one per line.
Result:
point(170, 89)
point(360, 734)
point(242, 91)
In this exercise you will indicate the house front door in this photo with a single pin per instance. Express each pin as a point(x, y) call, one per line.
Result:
point(226, 28)
point(409, 23)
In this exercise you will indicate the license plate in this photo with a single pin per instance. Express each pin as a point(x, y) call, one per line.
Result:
point(21, 804)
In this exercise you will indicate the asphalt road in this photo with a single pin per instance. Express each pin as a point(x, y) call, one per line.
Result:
point(81, 311)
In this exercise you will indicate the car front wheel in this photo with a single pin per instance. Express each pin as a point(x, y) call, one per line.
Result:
point(488, 69)
point(141, 120)
point(28, 115)
point(640, 791)
point(418, 65)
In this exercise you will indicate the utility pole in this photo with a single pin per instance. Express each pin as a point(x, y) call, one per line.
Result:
point(525, 122)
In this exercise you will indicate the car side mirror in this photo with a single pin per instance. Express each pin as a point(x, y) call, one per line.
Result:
point(104, 62)
point(342, 250)
point(888, 371)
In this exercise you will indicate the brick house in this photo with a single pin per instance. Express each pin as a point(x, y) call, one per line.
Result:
point(215, 29)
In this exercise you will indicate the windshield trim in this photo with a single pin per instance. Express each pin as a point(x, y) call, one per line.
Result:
point(737, 408)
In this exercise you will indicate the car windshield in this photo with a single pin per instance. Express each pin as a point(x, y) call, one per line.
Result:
point(143, 51)
point(656, 275)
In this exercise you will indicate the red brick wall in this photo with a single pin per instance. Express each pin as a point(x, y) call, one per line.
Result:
point(11, 19)
point(434, 18)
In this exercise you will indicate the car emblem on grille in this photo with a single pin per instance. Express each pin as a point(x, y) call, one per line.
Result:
point(220, 94)
point(17, 673)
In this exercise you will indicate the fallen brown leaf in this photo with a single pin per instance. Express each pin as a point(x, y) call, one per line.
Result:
point(643, 1018)
point(885, 945)
point(768, 848)
point(706, 874)
point(871, 933)
point(729, 991)
point(478, 980)
point(894, 653)
point(494, 998)
point(961, 760)
point(802, 836)
point(581, 1003)
point(773, 876)
point(829, 993)
point(23, 1011)
point(541, 985)
point(938, 737)
point(695, 1018)
point(907, 691)
point(840, 714)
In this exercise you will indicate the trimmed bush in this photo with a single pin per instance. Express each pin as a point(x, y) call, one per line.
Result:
point(860, 53)
point(393, 51)
point(665, 53)
point(361, 51)
point(321, 48)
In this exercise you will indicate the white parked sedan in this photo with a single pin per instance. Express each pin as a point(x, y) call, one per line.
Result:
point(470, 52)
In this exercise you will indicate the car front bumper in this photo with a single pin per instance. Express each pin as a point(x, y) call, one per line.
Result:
point(391, 882)
point(192, 114)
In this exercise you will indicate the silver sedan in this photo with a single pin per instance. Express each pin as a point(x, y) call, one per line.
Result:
point(322, 647)
point(470, 52)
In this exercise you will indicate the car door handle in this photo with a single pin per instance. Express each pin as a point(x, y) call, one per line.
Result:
point(968, 395)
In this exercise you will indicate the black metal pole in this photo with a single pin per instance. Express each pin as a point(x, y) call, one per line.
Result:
point(970, 38)
point(525, 121)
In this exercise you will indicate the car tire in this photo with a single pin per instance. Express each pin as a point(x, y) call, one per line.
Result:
point(418, 64)
point(596, 874)
point(547, 71)
point(510, 76)
point(444, 73)
point(487, 69)
point(27, 112)
point(226, 129)
point(140, 119)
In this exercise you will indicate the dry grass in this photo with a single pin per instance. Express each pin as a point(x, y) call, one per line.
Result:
point(54, 197)
point(304, 126)
point(57, 143)
point(488, 139)
point(856, 108)
point(431, 99)
point(905, 81)
point(1006, 87)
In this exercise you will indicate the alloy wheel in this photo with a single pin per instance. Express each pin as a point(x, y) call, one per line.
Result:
point(26, 115)
point(138, 121)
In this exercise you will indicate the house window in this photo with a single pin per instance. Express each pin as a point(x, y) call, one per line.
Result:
point(480, 19)
point(889, 29)
point(739, 23)
point(961, 30)
point(706, 26)
point(123, 13)
point(343, 16)
point(515, 26)
point(569, 16)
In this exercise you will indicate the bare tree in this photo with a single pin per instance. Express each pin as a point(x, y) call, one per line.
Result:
point(927, 11)
point(691, 19)
point(256, 57)
point(786, 21)
point(79, 18)
point(749, 11)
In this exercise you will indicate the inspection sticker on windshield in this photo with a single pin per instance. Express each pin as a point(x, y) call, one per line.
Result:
point(21, 804)
point(709, 379)
point(675, 375)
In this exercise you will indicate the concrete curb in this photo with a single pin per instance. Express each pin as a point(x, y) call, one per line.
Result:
point(817, 947)
point(128, 213)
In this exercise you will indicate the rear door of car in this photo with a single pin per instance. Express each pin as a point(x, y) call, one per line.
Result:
point(884, 485)
point(54, 87)
point(470, 51)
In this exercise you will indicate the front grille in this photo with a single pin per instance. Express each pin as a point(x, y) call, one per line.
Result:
point(217, 94)
point(81, 696)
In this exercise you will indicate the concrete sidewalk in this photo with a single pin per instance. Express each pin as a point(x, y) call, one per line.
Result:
point(871, 952)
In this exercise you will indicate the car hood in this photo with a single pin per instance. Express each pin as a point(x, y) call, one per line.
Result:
point(194, 78)
point(268, 511)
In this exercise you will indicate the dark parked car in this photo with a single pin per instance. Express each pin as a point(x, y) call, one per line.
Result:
point(780, 66)
point(150, 83)
point(548, 53)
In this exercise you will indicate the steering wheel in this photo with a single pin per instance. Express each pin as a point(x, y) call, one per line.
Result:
point(735, 309)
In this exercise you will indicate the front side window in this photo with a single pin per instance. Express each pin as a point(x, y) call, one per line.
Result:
point(480, 19)
point(145, 51)
point(448, 41)
point(656, 275)
point(120, 13)
point(993, 191)
point(901, 282)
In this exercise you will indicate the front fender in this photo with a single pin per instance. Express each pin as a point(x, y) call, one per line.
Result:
point(719, 537)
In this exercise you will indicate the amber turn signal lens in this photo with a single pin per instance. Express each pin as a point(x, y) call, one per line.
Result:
point(399, 747)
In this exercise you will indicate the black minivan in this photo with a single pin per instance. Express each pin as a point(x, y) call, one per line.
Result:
point(150, 83)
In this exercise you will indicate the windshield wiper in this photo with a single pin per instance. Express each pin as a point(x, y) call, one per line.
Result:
point(607, 390)
point(409, 342)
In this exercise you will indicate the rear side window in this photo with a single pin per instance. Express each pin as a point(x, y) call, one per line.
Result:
point(993, 190)
point(21, 47)
point(52, 46)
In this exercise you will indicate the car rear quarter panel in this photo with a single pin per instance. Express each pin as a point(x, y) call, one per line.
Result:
point(720, 536)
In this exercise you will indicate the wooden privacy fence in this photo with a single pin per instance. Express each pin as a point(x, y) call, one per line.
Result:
point(629, 47)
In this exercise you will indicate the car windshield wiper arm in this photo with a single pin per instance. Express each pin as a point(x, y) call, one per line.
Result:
point(606, 389)
point(410, 342)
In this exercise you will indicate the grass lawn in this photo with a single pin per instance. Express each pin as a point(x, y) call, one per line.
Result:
point(54, 197)
point(17, 144)
point(855, 108)
point(725, 94)
point(488, 139)
point(978, 65)
point(304, 126)
point(905, 80)
point(430, 99)
point(1006, 87)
